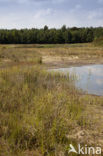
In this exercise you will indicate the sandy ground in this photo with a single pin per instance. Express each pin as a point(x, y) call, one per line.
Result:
point(63, 62)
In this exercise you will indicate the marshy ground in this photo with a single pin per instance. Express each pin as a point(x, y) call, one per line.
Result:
point(41, 113)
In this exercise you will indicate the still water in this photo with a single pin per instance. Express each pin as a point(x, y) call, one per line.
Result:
point(88, 78)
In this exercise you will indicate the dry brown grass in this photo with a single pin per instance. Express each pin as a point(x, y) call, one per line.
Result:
point(50, 55)
point(41, 113)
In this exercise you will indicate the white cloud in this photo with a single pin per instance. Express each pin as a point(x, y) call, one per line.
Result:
point(42, 13)
point(95, 14)
point(76, 9)
point(54, 13)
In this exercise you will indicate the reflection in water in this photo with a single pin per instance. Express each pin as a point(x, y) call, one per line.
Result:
point(89, 78)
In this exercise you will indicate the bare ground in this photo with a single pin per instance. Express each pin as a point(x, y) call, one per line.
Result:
point(61, 62)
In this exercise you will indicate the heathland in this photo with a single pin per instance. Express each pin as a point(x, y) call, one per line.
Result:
point(41, 113)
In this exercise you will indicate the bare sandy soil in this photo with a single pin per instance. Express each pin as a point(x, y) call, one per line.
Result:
point(62, 62)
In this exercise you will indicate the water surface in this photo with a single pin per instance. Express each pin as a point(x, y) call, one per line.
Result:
point(88, 78)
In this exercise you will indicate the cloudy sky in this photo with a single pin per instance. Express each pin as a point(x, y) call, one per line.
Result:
point(54, 13)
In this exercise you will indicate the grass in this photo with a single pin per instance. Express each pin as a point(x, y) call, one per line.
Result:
point(32, 115)
point(98, 42)
point(41, 113)
point(82, 52)
point(13, 55)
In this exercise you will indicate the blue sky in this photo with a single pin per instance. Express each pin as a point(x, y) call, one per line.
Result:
point(54, 13)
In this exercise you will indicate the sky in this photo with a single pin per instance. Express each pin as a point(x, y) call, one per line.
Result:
point(54, 13)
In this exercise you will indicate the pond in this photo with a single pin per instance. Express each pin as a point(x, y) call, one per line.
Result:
point(89, 78)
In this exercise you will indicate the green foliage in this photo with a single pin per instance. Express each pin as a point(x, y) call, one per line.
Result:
point(50, 36)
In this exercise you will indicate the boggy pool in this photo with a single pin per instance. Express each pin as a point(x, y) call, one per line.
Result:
point(89, 78)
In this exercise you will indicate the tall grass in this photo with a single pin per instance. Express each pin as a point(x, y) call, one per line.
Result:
point(10, 55)
point(99, 41)
point(41, 111)
point(37, 111)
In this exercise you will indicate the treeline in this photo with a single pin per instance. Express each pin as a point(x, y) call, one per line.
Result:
point(50, 36)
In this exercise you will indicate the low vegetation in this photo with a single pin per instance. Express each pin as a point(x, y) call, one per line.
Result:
point(41, 113)
point(38, 111)
point(98, 41)
point(11, 55)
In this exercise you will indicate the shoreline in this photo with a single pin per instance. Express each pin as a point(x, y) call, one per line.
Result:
point(71, 63)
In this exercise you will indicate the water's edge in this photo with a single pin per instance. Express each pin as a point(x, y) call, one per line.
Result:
point(89, 77)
